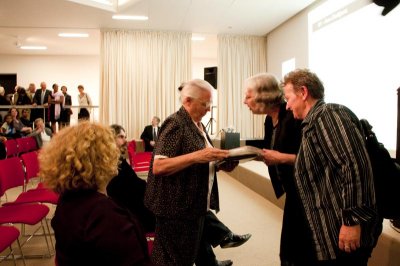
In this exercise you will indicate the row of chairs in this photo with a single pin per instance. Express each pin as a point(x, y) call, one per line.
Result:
point(15, 147)
point(30, 206)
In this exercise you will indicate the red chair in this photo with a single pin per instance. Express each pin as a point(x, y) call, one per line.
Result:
point(140, 161)
point(9, 235)
point(25, 209)
point(11, 148)
point(32, 144)
point(12, 175)
point(23, 145)
point(150, 241)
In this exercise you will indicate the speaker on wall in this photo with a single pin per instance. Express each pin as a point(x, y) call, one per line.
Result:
point(210, 75)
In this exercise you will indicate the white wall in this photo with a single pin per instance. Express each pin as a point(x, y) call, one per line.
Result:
point(63, 70)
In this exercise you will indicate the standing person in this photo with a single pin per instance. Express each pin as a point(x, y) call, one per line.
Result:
point(41, 99)
point(66, 112)
point(3, 101)
point(31, 91)
point(56, 99)
point(127, 189)
point(182, 182)
point(89, 227)
point(150, 133)
point(264, 96)
point(333, 175)
point(84, 100)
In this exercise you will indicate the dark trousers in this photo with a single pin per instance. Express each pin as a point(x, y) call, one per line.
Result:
point(213, 233)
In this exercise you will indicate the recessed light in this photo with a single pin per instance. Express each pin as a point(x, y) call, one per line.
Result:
point(127, 17)
point(198, 38)
point(30, 47)
point(104, 2)
point(73, 35)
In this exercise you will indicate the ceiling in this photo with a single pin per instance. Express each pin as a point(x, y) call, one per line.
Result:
point(38, 22)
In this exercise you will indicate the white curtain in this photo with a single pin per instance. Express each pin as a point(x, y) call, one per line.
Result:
point(140, 74)
point(239, 57)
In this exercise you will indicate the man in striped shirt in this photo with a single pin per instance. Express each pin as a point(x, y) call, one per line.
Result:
point(333, 175)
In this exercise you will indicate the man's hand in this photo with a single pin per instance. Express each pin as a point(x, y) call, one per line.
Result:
point(349, 238)
point(152, 143)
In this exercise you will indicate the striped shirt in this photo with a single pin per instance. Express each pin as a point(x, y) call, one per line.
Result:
point(334, 177)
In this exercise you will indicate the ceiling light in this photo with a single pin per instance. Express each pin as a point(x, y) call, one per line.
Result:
point(126, 17)
point(198, 38)
point(73, 35)
point(30, 47)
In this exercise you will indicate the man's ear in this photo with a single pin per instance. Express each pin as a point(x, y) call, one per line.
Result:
point(303, 92)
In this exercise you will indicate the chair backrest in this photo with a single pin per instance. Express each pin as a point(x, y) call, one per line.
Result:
point(31, 162)
point(131, 150)
point(11, 174)
point(23, 145)
point(11, 148)
point(31, 142)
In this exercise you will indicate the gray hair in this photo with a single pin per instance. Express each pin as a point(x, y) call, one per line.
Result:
point(192, 89)
point(266, 88)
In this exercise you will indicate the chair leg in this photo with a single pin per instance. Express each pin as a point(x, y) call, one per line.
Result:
point(22, 254)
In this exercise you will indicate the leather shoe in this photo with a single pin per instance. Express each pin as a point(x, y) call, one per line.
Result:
point(223, 263)
point(233, 240)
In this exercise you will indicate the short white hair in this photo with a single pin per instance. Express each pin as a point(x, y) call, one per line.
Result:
point(192, 89)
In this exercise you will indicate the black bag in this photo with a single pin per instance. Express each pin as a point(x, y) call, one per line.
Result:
point(84, 114)
point(386, 175)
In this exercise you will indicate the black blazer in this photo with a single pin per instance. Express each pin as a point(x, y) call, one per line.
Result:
point(38, 95)
point(147, 136)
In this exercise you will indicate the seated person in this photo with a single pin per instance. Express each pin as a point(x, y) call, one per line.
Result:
point(127, 189)
point(20, 128)
point(149, 134)
point(25, 118)
point(41, 133)
point(89, 227)
point(7, 129)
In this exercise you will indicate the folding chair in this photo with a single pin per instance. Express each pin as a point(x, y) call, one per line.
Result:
point(11, 148)
point(9, 235)
point(40, 193)
point(23, 212)
point(31, 142)
point(23, 145)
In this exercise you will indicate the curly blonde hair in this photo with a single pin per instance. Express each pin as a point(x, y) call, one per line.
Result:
point(84, 156)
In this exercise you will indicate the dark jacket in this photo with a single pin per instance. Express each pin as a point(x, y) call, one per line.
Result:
point(183, 194)
point(147, 136)
point(127, 190)
point(91, 229)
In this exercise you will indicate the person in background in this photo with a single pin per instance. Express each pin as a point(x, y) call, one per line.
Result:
point(7, 129)
point(56, 99)
point(25, 118)
point(89, 227)
point(41, 133)
point(333, 175)
point(41, 99)
point(19, 127)
point(31, 91)
point(66, 112)
point(182, 182)
point(3, 101)
point(84, 100)
point(150, 133)
point(264, 96)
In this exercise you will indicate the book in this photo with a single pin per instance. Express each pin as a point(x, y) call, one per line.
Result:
point(242, 154)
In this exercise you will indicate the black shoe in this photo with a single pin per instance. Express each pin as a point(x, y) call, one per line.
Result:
point(233, 240)
point(223, 263)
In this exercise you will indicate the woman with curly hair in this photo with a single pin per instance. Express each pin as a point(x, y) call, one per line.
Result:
point(90, 229)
